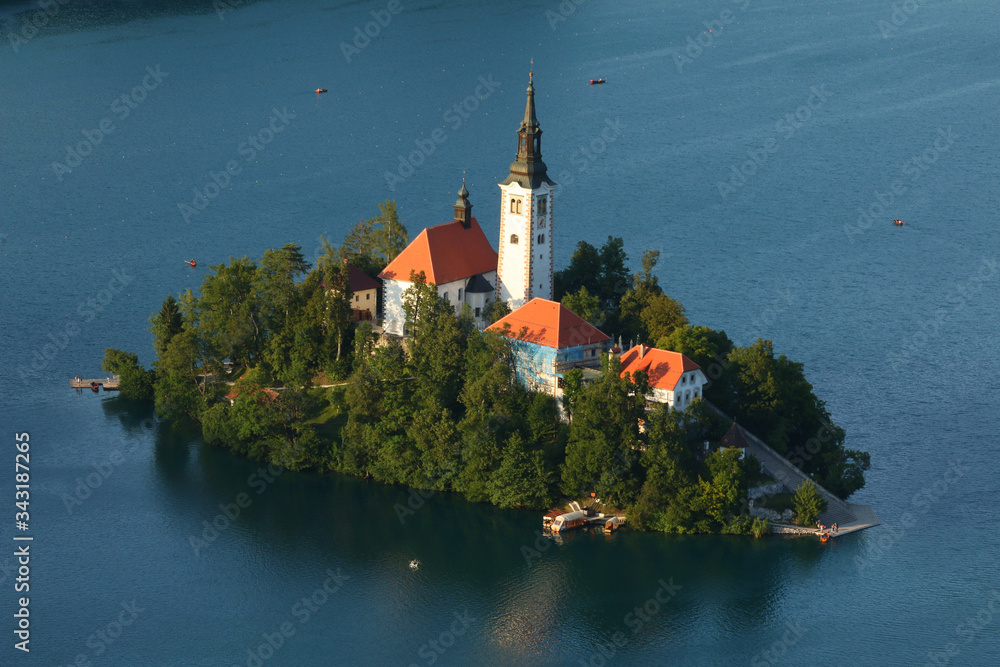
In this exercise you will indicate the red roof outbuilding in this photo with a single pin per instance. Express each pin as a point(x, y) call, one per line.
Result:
point(549, 323)
point(663, 367)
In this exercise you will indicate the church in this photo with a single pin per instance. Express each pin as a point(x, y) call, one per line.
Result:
point(457, 257)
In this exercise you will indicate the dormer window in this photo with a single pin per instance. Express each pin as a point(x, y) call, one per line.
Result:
point(515, 205)
point(513, 239)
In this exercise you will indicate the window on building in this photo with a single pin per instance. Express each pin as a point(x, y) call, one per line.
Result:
point(515, 205)
point(447, 297)
point(459, 293)
point(357, 298)
point(513, 239)
point(543, 206)
point(477, 311)
point(684, 379)
point(541, 238)
point(368, 297)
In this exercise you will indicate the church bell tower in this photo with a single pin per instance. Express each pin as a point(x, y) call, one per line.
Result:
point(524, 269)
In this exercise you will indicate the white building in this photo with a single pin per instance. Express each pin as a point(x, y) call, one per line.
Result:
point(673, 378)
point(455, 256)
point(525, 261)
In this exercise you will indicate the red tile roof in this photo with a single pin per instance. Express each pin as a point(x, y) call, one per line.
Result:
point(445, 253)
point(663, 367)
point(551, 324)
point(361, 281)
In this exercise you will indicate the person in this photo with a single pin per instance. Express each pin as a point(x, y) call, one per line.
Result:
point(835, 528)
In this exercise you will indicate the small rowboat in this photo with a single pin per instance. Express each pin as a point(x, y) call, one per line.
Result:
point(597, 81)
point(898, 222)
point(191, 262)
point(321, 90)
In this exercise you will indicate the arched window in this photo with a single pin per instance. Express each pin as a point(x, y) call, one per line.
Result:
point(515, 205)
point(446, 297)
point(541, 238)
point(513, 239)
point(543, 206)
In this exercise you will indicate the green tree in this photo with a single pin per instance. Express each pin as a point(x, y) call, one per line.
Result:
point(710, 350)
point(585, 304)
point(135, 382)
point(584, 270)
point(371, 244)
point(603, 449)
point(495, 311)
point(808, 504)
point(521, 480)
point(230, 315)
point(166, 324)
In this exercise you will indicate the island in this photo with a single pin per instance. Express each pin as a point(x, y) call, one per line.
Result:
point(444, 365)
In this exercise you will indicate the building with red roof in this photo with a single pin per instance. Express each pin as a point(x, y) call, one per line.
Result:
point(365, 290)
point(549, 339)
point(673, 378)
point(454, 256)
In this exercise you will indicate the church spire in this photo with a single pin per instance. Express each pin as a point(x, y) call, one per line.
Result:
point(527, 169)
point(463, 207)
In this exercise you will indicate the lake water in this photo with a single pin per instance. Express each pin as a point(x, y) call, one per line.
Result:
point(823, 108)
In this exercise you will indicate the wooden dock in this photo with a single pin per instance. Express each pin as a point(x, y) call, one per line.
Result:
point(109, 383)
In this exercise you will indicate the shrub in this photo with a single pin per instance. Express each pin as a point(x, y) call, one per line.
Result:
point(808, 504)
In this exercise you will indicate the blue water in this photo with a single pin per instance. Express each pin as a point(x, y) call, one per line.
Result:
point(896, 326)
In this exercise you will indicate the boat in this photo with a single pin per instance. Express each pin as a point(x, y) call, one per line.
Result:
point(898, 222)
point(95, 387)
point(824, 537)
point(191, 262)
point(611, 525)
point(414, 564)
point(568, 521)
point(321, 90)
point(596, 81)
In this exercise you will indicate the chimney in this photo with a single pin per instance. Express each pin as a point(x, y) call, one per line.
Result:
point(642, 350)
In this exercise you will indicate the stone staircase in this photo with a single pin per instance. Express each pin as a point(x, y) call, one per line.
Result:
point(785, 472)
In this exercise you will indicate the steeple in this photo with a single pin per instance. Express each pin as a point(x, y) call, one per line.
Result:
point(527, 169)
point(463, 207)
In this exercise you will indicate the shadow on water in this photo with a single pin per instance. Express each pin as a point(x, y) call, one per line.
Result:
point(368, 525)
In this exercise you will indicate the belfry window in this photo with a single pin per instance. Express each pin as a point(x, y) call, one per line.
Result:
point(515, 205)
point(513, 239)
point(541, 238)
point(543, 206)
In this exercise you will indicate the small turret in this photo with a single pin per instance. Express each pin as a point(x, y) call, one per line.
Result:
point(463, 207)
